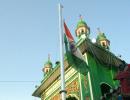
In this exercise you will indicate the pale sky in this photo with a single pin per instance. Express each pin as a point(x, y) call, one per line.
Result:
point(29, 31)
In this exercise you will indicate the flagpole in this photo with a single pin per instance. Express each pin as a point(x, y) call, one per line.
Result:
point(61, 36)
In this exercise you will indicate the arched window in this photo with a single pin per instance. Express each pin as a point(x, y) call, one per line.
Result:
point(71, 98)
point(47, 70)
point(82, 31)
point(105, 90)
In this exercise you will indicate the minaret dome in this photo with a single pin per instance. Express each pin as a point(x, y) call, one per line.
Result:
point(82, 29)
point(47, 66)
point(102, 40)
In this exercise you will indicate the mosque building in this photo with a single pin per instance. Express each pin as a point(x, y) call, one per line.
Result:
point(91, 79)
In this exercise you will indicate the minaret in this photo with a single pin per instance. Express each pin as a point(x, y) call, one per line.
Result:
point(102, 40)
point(82, 29)
point(47, 66)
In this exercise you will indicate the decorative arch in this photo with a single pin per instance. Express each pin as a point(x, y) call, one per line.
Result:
point(105, 89)
point(72, 97)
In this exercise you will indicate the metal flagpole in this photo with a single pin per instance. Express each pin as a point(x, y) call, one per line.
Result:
point(63, 91)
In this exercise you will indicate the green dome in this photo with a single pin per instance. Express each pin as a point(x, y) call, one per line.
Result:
point(81, 23)
point(101, 37)
point(48, 63)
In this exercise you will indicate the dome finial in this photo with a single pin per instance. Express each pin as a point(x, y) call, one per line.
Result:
point(49, 57)
point(99, 31)
point(81, 17)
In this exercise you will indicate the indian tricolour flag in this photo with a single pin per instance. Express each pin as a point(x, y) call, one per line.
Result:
point(74, 50)
point(75, 55)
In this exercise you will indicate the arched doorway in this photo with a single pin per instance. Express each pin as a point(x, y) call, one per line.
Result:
point(105, 90)
point(71, 98)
